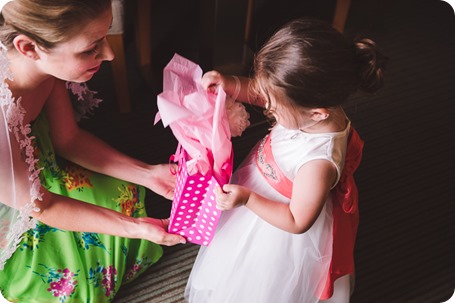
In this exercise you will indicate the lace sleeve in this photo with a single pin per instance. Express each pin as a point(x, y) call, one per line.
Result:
point(19, 181)
point(83, 99)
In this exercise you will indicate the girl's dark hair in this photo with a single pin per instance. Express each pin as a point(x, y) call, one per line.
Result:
point(314, 65)
point(48, 22)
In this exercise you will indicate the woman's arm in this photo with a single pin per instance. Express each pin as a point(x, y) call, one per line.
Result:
point(311, 187)
point(81, 147)
point(69, 214)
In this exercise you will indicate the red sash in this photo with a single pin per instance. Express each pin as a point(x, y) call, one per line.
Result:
point(344, 209)
point(271, 171)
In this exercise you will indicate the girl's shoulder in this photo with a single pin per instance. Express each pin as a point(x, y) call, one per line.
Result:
point(292, 148)
point(280, 133)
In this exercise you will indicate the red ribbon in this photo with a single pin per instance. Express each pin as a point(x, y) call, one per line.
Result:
point(345, 192)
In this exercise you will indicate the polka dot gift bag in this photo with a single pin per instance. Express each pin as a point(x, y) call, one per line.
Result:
point(194, 214)
point(201, 123)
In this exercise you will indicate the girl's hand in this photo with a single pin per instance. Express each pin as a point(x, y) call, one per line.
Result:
point(231, 196)
point(155, 230)
point(162, 180)
point(211, 80)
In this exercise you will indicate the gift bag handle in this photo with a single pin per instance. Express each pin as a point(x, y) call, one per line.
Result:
point(176, 157)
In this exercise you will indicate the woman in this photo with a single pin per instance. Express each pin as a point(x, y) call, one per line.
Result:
point(71, 216)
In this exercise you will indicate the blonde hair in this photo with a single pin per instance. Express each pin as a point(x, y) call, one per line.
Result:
point(47, 22)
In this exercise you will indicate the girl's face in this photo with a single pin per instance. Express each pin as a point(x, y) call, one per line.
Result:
point(287, 116)
point(80, 58)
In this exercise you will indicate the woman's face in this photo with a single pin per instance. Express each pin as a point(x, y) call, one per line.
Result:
point(79, 58)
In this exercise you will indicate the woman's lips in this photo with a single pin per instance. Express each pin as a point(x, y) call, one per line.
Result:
point(94, 69)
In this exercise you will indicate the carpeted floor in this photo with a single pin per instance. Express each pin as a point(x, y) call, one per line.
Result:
point(405, 246)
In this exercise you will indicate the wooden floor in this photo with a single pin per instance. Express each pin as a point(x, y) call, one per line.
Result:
point(405, 250)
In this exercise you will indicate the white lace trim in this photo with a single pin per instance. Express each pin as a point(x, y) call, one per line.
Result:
point(15, 117)
point(85, 99)
point(14, 113)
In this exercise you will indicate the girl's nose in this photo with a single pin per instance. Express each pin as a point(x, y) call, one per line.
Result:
point(106, 53)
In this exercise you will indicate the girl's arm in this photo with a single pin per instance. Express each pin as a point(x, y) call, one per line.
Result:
point(311, 187)
point(212, 79)
point(83, 148)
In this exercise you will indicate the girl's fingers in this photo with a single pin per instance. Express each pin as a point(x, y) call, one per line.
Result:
point(227, 188)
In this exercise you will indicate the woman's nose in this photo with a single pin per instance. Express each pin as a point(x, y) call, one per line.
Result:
point(106, 53)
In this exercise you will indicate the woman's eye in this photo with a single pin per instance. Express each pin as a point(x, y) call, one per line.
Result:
point(91, 51)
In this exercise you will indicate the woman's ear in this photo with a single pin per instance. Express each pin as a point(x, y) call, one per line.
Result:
point(26, 46)
point(320, 114)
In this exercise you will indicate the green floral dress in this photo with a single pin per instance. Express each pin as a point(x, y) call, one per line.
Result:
point(53, 265)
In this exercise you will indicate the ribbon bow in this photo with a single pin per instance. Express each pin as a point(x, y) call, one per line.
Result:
point(345, 193)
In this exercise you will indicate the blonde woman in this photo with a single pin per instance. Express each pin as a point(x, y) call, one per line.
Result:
point(73, 226)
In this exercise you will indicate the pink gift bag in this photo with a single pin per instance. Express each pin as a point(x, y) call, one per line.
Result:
point(200, 123)
point(193, 214)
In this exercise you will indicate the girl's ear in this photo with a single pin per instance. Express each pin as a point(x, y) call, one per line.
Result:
point(319, 114)
point(26, 46)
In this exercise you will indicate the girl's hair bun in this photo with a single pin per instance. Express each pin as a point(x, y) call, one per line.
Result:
point(372, 64)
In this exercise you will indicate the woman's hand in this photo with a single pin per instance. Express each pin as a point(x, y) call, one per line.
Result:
point(155, 230)
point(231, 196)
point(162, 180)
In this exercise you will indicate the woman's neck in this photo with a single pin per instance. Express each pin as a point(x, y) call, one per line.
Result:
point(26, 75)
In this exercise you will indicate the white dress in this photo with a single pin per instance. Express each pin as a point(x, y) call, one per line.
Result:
point(251, 261)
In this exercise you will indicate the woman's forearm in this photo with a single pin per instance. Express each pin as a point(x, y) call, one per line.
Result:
point(94, 154)
point(73, 215)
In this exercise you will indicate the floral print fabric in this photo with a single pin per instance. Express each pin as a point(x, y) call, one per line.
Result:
point(53, 265)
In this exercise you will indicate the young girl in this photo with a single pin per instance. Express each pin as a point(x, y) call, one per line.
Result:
point(68, 233)
point(290, 221)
